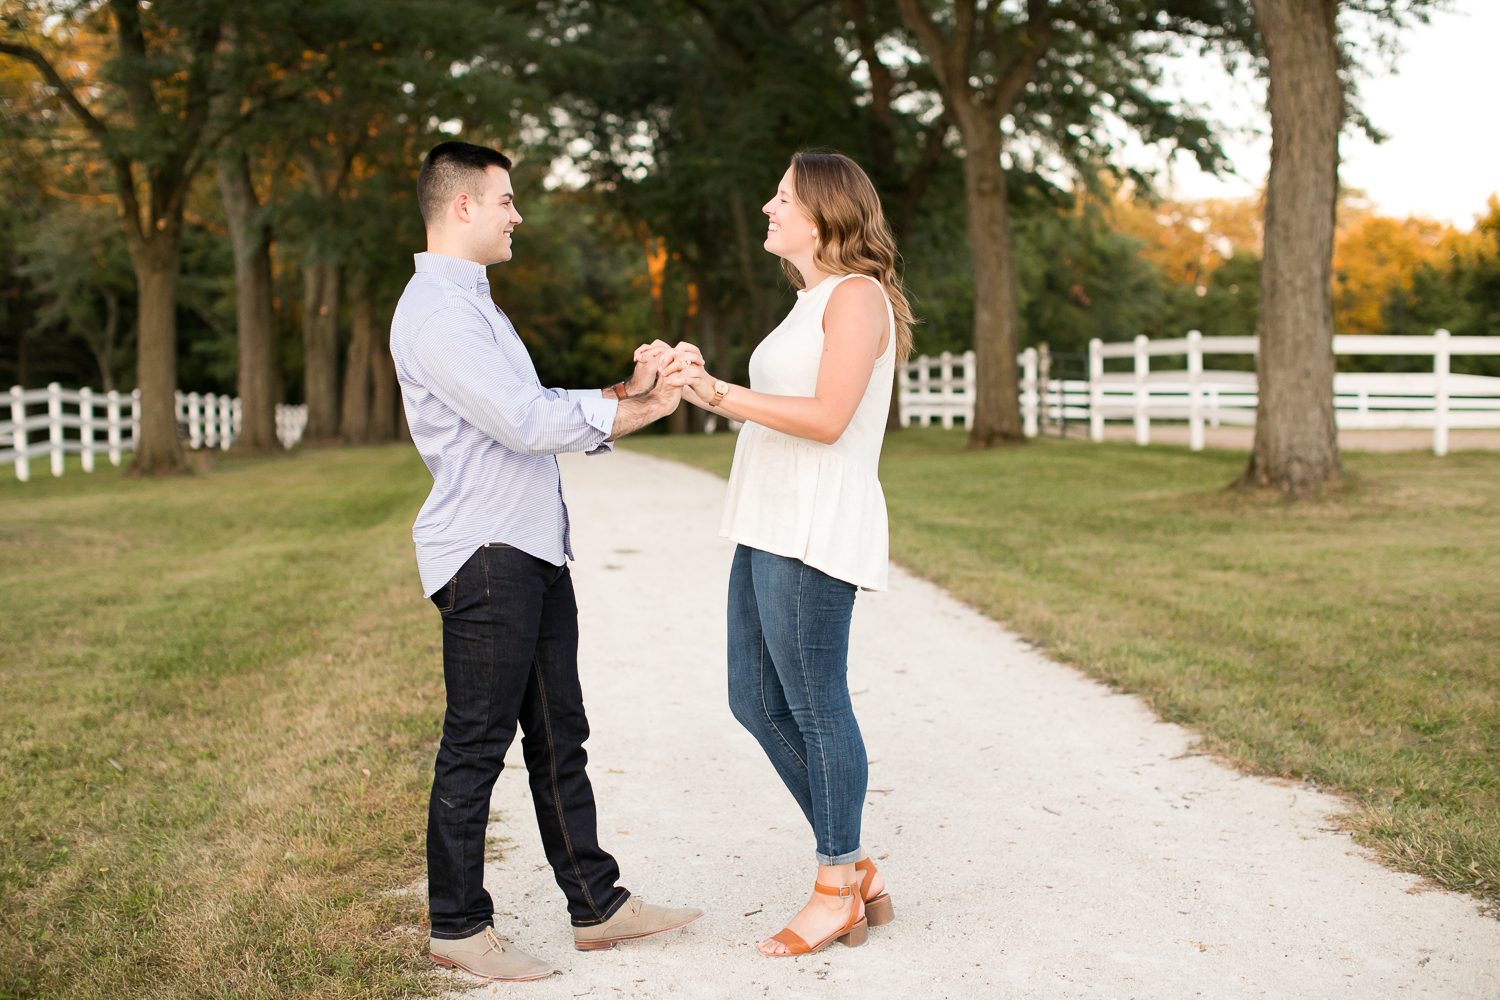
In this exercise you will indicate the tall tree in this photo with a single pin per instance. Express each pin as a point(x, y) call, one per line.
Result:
point(1055, 72)
point(1309, 92)
point(250, 232)
point(149, 120)
point(907, 150)
point(1296, 441)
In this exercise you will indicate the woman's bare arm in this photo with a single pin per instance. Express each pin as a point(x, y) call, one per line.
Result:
point(855, 335)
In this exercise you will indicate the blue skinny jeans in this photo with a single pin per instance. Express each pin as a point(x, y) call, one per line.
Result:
point(788, 685)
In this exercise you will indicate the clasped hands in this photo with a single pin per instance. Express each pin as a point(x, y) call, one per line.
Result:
point(659, 365)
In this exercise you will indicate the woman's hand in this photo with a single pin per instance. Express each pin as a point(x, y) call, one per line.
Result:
point(691, 376)
point(650, 359)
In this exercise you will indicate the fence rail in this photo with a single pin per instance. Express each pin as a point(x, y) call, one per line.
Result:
point(87, 423)
point(942, 388)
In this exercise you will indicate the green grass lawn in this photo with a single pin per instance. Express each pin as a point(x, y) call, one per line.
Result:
point(1353, 642)
point(219, 699)
point(219, 695)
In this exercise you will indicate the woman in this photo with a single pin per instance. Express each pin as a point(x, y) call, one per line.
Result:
point(806, 508)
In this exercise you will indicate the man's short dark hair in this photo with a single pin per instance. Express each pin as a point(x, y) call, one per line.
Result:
point(452, 167)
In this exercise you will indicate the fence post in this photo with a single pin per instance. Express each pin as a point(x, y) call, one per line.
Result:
point(112, 414)
point(55, 426)
point(924, 386)
point(1028, 392)
point(1441, 359)
point(195, 420)
point(945, 388)
point(1142, 369)
point(902, 416)
point(1195, 393)
point(210, 420)
point(86, 427)
point(21, 438)
point(229, 420)
point(135, 417)
point(971, 388)
point(1044, 381)
point(1096, 390)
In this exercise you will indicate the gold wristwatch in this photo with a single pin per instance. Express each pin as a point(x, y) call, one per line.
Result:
point(720, 388)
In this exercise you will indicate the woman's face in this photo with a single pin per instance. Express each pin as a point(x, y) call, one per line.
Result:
point(789, 233)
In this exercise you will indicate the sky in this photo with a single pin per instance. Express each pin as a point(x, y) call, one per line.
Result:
point(1440, 108)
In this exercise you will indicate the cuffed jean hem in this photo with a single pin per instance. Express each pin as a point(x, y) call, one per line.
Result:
point(842, 859)
point(439, 936)
point(609, 911)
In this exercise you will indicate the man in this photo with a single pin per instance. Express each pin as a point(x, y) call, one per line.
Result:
point(492, 548)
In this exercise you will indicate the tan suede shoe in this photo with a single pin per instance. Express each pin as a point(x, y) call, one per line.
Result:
point(488, 956)
point(631, 922)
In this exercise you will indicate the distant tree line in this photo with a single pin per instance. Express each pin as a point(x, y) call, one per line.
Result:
point(218, 195)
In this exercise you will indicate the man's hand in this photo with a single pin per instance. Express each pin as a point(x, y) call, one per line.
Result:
point(652, 359)
point(647, 365)
point(636, 412)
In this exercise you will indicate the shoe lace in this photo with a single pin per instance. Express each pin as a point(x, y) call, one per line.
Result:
point(496, 942)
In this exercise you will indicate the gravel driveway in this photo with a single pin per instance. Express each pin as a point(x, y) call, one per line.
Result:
point(1043, 837)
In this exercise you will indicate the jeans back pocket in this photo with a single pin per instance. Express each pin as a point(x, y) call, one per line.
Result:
point(444, 598)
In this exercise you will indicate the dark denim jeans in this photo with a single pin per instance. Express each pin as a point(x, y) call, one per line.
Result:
point(510, 655)
point(788, 665)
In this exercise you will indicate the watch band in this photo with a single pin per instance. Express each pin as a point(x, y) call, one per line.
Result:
point(721, 388)
point(619, 388)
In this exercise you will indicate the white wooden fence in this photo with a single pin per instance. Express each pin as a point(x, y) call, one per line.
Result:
point(943, 388)
point(87, 423)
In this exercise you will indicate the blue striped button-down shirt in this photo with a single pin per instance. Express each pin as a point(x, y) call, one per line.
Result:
point(486, 428)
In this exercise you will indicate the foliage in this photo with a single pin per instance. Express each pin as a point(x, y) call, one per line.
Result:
point(78, 265)
point(574, 291)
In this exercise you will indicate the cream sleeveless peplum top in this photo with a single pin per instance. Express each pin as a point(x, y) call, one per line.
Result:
point(820, 503)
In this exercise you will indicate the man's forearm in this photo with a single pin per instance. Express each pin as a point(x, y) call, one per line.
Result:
point(636, 412)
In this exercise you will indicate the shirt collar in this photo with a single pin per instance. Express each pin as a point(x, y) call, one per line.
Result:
point(466, 274)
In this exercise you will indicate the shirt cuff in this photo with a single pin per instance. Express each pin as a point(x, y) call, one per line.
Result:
point(600, 414)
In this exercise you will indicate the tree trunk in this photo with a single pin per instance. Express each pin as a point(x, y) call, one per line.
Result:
point(997, 404)
point(254, 309)
point(677, 420)
point(320, 341)
point(157, 450)
point(385, 397)
point(760, 303)
point(1296, 441)
point(354, 423)
point(104, 348)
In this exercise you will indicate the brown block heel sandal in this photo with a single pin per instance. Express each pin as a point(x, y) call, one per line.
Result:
point(853, 934)
point(878, 909)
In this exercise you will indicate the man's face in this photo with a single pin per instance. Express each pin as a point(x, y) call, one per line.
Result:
point(493, 215)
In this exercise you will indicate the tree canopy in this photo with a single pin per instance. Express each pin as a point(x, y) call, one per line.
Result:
point(273, 147)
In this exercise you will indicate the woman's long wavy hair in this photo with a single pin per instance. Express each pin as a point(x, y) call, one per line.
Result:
point(853, 236)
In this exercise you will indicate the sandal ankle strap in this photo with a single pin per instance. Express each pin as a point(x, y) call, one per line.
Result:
point(842, 891)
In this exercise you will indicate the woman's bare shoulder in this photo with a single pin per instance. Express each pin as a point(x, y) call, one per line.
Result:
point(858, 294)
